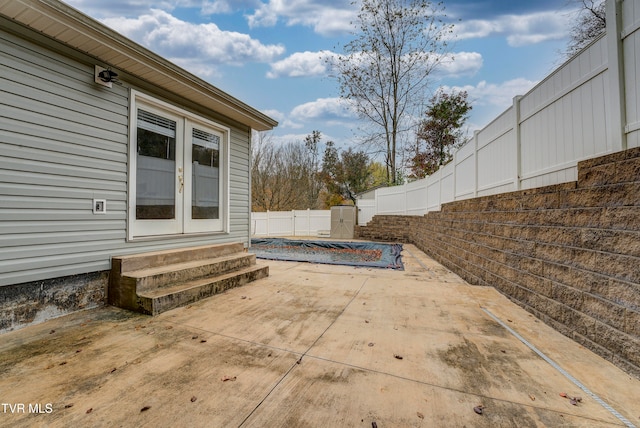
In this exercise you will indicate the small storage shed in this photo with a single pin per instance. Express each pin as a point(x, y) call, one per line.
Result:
point(105, 149)
point(343, 221)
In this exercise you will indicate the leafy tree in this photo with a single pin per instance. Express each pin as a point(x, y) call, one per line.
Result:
point(378, 174)
point(589, 24)
point(346, 174)
point(385, 70)
point(440, 132)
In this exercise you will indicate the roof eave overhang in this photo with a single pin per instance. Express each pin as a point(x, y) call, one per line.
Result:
point(78, 31)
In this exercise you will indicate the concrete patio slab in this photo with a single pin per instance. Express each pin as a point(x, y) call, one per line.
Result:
point(314, 345)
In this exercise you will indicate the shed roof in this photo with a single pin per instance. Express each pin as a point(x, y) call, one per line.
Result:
point(61, 22)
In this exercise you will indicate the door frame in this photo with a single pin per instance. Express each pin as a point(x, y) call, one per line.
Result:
point(177, 227)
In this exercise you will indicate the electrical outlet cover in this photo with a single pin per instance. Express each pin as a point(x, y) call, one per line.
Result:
point(99, 206)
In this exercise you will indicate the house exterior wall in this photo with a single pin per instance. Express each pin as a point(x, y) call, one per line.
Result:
point(568, 253)
point(63, 142)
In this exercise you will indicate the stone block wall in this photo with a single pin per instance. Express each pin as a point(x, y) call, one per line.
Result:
point(569, 253)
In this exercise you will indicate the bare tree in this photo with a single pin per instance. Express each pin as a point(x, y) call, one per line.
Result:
point(589, 24)
point(385, 70)
point(282, 176)
point(311, 143)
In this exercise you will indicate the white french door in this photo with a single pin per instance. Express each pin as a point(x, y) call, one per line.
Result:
point(176, 173)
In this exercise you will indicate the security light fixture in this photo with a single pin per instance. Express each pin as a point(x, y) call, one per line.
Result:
point(108, 75)
point(105, 76)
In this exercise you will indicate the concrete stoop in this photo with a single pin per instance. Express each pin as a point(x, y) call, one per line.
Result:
point(152, 283)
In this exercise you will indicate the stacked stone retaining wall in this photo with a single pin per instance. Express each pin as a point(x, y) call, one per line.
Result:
point(568, 253)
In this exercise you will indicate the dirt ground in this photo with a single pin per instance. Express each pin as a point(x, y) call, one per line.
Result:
point(314, 346)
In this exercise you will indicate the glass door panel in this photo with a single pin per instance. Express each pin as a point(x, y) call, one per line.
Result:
point(157, 172)
point(202, 165)
point(205, 161)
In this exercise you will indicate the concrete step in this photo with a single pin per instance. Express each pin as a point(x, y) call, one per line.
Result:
point(164, 276)
point(155, 282)
point(154, 302)
point(134, 262)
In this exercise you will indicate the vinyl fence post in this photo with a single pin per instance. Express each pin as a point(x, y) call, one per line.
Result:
point(518, 142)
point(405, 198)
point(268, 223)
point(617, 113)
point(475, 160)
point(293, 221)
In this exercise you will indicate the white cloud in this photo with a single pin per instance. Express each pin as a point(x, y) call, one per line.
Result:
point(301, 64)
point(463, 63)
point(326, 18)
point(193, 46)
point(520, 30)
point(211, 7)
point(334, 110)
point(275, 114)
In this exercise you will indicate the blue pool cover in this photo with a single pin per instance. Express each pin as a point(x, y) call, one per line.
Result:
point(366, 254)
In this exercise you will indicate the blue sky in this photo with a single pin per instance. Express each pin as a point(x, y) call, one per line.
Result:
point(267, 53)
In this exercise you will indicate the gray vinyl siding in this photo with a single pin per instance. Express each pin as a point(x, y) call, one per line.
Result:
point(63, 142)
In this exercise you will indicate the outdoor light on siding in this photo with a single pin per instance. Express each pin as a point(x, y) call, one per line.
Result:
point(105, 76)
point(108, 75)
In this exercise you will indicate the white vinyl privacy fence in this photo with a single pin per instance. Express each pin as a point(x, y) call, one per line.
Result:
point(291, 223)
point(589, 106)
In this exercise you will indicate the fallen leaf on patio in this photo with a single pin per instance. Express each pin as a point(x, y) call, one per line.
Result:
point(67, 406)
point(145, 408)
point(228, 378)
point(169, 327)
point(89, 410)
point(63, 363)
point(420, 415)
point(533, 398)
point(52, 331)
point(573, 401)
point(194, 337)
point(243, 297)
point(370, 343)
point(113, 370)
point(397, 357)
point(479, 409)
point(366, 321)
point(563, 394)
point(202, 341)
point(193, 399)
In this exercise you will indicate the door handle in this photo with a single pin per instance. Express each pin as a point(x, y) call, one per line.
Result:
point(180, 180)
